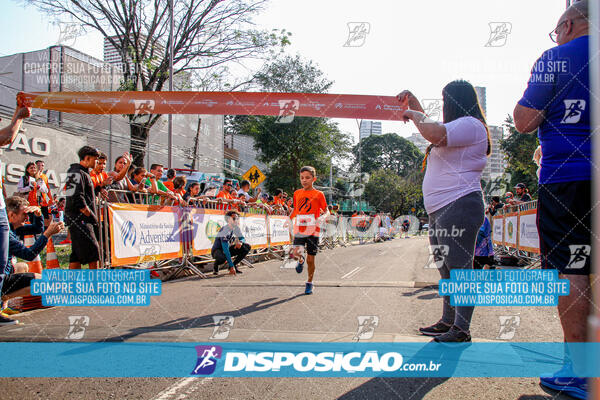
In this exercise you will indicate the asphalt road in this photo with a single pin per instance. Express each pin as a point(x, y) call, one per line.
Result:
point(387, 280)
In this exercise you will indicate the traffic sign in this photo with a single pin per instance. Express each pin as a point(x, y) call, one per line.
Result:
point(254, 176)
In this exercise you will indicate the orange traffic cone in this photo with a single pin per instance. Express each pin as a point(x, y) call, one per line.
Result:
point(51, 257)
point(36, 264)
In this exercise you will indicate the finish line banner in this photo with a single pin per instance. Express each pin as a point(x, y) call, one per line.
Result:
point(299, 359)
point(284, 105)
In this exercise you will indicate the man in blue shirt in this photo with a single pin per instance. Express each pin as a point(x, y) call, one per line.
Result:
point(229, 242)
point(556, 103)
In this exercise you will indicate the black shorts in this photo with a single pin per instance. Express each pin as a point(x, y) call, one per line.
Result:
point(310, 243)
point(14, 282)
point(84, 243)
point(564, 226)
point(480, 261)
point(45, 212)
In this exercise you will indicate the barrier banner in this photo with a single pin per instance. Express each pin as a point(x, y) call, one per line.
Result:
point(254, 229)
point(529, 239)
point(142, 233)
point(511, 227)
point(284, 105)
point(498, 230)
point(206, 225)
point(278, 233)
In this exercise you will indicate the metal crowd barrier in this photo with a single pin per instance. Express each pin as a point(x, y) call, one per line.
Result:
point(337, 231)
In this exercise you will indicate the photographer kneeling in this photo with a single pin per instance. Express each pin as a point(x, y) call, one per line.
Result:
point(229, 242)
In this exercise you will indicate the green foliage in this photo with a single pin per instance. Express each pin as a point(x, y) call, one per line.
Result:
point(390, 152)
point(386, 191)
point(287, 147)
point(519, 149)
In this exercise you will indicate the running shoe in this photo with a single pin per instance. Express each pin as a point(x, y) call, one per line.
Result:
point(237, 271)
point(154, 274)
point(454, 335)
point(10, 311)
point(231, 271)
point(436, 329)
point(300, 266)
point(309, 288)
point(7, 321)
point(575, 387)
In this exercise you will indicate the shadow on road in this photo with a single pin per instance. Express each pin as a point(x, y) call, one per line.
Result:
point(203, 321)
point(394, 388)
point(431, 293)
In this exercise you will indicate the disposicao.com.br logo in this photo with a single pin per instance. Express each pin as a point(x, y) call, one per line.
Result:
point(305, 363)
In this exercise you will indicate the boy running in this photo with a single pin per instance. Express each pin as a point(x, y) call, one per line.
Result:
point(310, 210)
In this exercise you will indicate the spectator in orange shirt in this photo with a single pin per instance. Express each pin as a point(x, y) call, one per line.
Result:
point(169, 183)
point(225, 193)
point(45, 199)
point(99, 176)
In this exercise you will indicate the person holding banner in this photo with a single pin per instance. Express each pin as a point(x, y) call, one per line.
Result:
point(454, 162)
point(229, 242)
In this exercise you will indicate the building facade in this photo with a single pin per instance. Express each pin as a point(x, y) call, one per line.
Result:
point(61, 68)
point(368, 128)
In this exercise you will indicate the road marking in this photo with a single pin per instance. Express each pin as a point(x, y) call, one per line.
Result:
point(349, 274)
point(177, 388)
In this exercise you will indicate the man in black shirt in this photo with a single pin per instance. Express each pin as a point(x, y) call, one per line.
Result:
point(495, 205)
point(80, 216)
point(522, 195)
point(229, 242)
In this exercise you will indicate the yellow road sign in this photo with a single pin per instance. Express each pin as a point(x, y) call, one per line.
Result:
point(254, 176)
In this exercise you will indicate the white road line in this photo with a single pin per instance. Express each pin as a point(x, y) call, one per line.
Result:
point(182, 388)
point(355, 270)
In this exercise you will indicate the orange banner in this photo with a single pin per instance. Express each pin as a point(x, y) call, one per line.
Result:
point(284, 105)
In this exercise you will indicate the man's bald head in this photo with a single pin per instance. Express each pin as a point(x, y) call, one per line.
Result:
point(578, 9)
point(573, 23)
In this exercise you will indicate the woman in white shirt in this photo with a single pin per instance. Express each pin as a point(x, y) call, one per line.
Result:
point(29, 187)
point(452, 191)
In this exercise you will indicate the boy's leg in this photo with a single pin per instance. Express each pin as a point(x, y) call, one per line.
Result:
point(74, 265)
point(310, 262)
point(93, 265)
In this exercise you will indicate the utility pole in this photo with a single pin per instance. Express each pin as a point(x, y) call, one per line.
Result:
point(331, 180)
point(196, 144)
point(170, 139)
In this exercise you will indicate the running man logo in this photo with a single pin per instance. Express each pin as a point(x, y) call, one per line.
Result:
point(223, 325)
point(573, 111)
point(499, 32)
point(77, 325)
point(357, 33)
point(287, 111)
point(128, 234)
point(73, 180)
point(207, 359)
point(148, 253)
point(366, 327)
point(433, 109)
point(580, 253)
point(437, 256)
point(69, 34)
point(143, 107)
point(508, 326)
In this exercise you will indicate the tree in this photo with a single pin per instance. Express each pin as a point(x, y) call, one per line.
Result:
point(389, 192)
point(519, 149)
point(287, 147)
point(208, 36)
point(390, 152)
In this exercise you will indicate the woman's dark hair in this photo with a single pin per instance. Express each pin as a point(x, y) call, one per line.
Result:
point(193, 184)
point(26, 174)
point(460, 100)
point(179, 182)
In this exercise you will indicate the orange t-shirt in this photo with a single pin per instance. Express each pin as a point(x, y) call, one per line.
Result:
point(224, 195)
point(169, 185)
point(46, 197)
point(98, 178)
point(278, 201)
point(308, 206)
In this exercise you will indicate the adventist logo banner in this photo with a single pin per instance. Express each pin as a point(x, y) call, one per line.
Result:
point(135, 228)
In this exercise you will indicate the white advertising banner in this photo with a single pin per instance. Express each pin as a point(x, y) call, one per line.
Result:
point(207, 224)
point(529, 239)
point(511, 227)
point(142, 233)
point(254, 229)
point(498, 231)
point(279, 234)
